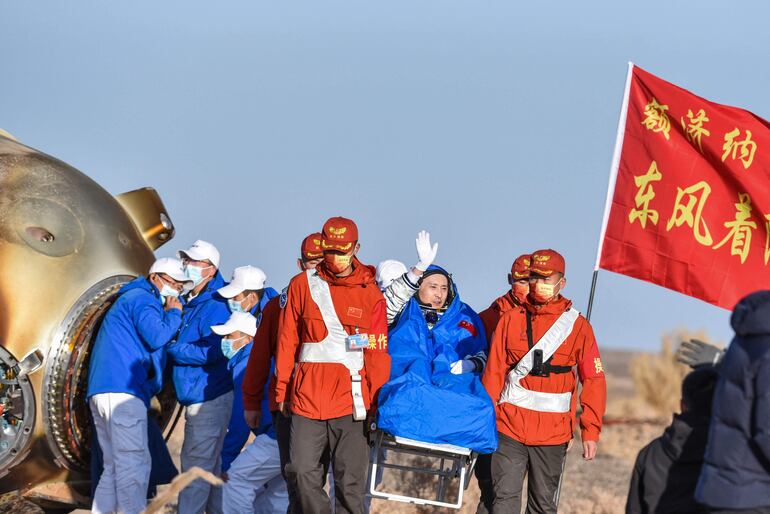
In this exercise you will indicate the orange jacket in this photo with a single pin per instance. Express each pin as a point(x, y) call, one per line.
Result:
point(492, 314)
point(323, 390)
point(509, 345)
point(258, 366)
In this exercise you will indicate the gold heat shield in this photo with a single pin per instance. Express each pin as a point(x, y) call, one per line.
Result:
point(148, 213)
point(66, 247)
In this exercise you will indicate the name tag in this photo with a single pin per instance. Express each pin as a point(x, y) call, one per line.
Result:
point(357, 341)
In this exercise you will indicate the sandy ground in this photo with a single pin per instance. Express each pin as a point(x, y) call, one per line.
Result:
point(596, 487)
point(599, 486)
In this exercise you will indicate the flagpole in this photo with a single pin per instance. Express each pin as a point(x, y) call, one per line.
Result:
point(611, 183)
point(607, 204)
point(591, 296)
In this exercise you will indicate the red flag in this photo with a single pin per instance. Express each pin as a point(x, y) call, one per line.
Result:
point(688, 206)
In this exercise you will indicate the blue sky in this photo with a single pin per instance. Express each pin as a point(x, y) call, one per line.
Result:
point(490, 124)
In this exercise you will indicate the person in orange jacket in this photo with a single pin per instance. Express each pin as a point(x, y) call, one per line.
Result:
point(516, 296)
point(258, 368)
point(530, 375)
point(333, 328)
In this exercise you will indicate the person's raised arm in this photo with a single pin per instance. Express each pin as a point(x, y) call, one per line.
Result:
point(155, 325)
point(696, 353)
point(400, 291)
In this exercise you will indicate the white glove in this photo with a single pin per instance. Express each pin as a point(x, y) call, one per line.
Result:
point(462, 366)
point(426, 253)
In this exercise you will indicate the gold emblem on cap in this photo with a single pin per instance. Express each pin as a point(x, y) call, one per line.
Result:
point(340, 247)
point(541, 258)
point(338, 232)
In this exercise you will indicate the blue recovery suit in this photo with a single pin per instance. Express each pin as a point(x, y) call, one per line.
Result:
point(200, 368)
point(130, 349)
point(237, 430)
point(129, 356)
point(423, 400)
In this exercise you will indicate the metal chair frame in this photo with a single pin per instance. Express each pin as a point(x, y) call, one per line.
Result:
point(462, 462)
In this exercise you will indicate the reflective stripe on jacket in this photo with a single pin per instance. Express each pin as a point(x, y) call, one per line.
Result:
point(509, 345)
point(323, 390)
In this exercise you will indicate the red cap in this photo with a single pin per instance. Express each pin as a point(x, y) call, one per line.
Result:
point(520, 268)
point(339, 234)
point(547, 262)
point(311, 247)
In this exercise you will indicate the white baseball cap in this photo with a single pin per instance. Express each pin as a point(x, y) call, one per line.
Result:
point(245, 278)
point(201, 251)
point(238, 322)
point(171, 267)
point(388, 271)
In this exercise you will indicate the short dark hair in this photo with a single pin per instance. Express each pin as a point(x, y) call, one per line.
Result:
point(698, 390)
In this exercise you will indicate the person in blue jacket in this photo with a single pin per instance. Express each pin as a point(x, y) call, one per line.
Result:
point(253, 480)
point(438, 351)
point(125, 372)
point(202, 382)
point(238, 430)
point(735, 476)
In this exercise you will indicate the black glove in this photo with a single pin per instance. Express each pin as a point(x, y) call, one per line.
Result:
point(695, 353)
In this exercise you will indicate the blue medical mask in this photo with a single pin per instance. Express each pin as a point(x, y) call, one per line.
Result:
point(167, 291)
point(227, 347)
point(235, 306)
point(195, 273)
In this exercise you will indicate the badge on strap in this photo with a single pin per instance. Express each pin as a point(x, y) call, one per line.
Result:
point(357, 341)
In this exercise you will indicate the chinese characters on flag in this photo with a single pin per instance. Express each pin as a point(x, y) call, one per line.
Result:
point(689, 200)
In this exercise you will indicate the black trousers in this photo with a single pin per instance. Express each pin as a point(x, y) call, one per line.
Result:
point(542, 464)
point(758, 510)
point(483, 472)
point(282, 427)
point(345, 440)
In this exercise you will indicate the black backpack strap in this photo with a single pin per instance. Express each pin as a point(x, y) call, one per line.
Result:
point(550, 368)
point(547, 368)
point(530, 343)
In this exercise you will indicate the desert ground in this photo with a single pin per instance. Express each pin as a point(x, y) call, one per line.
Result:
point(643, 393)
point(599, 486)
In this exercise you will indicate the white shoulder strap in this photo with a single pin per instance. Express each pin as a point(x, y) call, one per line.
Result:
point(550, 342)
point(333, 348)
point(515, 394)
